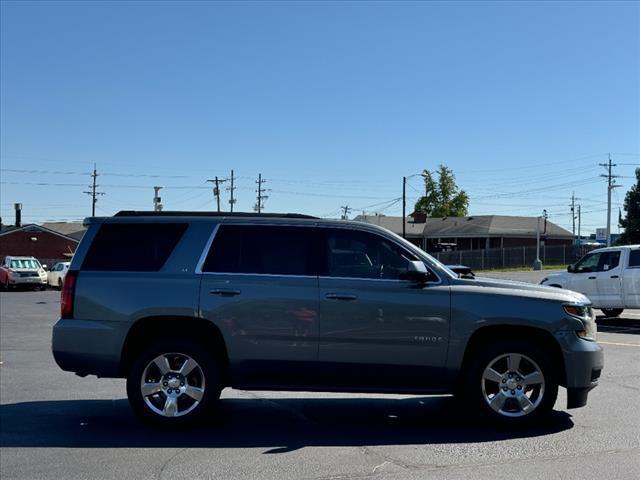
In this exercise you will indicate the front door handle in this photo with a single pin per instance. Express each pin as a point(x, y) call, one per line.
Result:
point(592, 278)
point(615, 276)
point(225, 292)
point(340, 296)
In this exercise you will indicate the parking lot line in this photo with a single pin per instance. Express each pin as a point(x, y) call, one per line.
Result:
point(620, 344)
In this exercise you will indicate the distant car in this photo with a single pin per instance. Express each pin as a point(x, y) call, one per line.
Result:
point(55, 276)
point(610, 277)
point(462, 270)
point(22, 271)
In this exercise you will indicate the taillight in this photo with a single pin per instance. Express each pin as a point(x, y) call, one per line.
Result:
point(67, 295)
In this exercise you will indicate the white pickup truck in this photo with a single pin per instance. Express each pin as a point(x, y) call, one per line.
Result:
point(610, 277)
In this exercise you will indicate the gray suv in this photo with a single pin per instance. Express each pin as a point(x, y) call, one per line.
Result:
point(185, 304)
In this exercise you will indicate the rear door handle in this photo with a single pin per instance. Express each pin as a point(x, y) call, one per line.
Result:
point(592, 278)
point(225, 292)
point(340, 296)
point(615, 276)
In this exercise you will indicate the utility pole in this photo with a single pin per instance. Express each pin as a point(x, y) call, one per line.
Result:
point(579, 221)
point(230, 189)
point(261, 196)
point(610, 186)
point(216, 190)
point(345, 212)
point(404, 207)
point(573, 215)
point(157, 206)
point(93, 191)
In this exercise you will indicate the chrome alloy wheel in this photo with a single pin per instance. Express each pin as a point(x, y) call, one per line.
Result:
point(172, 384)
point(513, 385)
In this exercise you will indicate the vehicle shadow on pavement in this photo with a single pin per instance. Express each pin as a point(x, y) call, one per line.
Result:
point(279, 424)
point(629, 326)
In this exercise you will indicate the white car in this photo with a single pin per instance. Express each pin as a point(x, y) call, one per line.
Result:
point(55, 276)
point(610, 277)
point(22, 271)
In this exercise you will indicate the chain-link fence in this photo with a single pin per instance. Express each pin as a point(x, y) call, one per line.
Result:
point(515, 257)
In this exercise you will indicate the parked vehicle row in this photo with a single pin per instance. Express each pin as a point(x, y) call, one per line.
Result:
point(183, 305)
point(28, 272)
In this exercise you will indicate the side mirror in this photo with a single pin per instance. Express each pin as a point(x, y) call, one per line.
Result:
point(45, 267)
point(571, 269)
point(417, 272)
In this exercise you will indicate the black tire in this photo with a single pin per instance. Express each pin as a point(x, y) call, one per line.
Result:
point(476, 390)
point(612, 312)
point(59, 284)
point(209, 370)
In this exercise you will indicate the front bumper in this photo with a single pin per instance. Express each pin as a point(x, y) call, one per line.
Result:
point(88, 347)
point(26, 281)
point(583, 364)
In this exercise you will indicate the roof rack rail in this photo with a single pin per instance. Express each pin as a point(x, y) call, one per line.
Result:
point(140, 213)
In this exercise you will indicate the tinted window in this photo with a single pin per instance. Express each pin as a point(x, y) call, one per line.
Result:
point(274, 250)
point(352, 253)
point(634, 259)
point(133, 247)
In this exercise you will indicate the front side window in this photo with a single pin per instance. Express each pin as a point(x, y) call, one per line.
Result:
point(588, 263)
point(263, 249)
point(357, 254)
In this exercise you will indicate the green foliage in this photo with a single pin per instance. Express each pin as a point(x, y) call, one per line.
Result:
point(631, 223)
point(442, 197)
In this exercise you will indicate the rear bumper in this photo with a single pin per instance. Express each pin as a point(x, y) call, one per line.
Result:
point(88, 347)
point(583, 364)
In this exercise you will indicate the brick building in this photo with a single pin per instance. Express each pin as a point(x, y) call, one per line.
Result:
point(37, 241)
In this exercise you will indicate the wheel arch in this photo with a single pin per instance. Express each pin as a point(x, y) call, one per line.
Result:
point(491, 333)
point(147, 329)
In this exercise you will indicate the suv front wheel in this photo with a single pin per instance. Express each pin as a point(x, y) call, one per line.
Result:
point(512, 383)
point(173, 382)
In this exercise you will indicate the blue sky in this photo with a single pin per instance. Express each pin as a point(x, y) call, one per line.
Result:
point(332, 102)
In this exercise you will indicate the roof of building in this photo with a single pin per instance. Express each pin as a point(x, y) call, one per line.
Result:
point(71, 229)
point(393, 223)
point(29, 227)
point(491, 226)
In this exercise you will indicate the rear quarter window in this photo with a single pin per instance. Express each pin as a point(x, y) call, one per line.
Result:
point(133, 247)
point(634, 258)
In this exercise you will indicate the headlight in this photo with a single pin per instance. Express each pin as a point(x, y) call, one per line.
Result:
point(588, 318)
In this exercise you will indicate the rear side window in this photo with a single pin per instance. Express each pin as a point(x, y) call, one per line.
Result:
point(634, 258)
point(128, 247)
point(255, 249)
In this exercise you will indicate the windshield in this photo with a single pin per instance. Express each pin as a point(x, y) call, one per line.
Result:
point(25, 263)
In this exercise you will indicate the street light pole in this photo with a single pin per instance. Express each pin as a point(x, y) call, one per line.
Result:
point(404, 207)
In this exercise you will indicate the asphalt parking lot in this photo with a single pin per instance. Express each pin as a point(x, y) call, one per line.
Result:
point(54, 424)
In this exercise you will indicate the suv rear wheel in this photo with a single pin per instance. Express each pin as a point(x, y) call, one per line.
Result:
point(173, 382)
point(612, 312)
point(511, 382)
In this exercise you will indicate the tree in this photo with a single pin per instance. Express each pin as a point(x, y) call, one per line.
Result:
point(442, 197)
point(631, 223)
